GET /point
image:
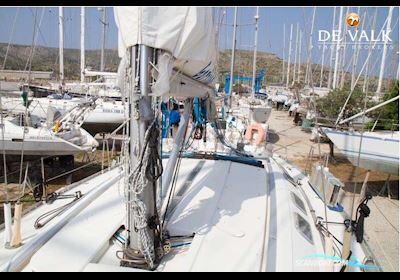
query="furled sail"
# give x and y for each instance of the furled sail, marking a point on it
(185, 34)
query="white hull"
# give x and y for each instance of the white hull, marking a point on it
(379, 150)
(43, 142)
(107, 115)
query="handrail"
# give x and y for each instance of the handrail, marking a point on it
(370, 109)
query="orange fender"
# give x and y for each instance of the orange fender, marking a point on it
(255, 127)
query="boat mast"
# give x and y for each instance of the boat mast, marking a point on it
(103, 38)
(335, 72)
(61, 42)
(82, 44)
(331, 53)
(343, 47)
(295, 52)
(253, 91)
(141, 204)
(232, 58)
(298, 63)
(356, 54)
(366, 76)
(309, 70)
(322, 65)
(283, 55)
(385, 44)
(290, 54)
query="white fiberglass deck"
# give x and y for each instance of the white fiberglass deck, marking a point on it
(27, 229)
(243, 218)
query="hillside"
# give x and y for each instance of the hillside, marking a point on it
(273, 68)
(46, 59)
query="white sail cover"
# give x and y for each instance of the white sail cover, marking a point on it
(187, 33)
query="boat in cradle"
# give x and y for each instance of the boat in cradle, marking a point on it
(41, 141)
(378, 151)
(60, 134)
(105, 117)
(183, 210)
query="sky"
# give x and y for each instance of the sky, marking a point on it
(270, 36)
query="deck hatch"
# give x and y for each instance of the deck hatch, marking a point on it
(299, 203)
(303, 227)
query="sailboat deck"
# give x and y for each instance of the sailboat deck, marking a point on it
(28, 231)
(236, 217)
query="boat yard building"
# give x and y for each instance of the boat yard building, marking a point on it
(16, 75)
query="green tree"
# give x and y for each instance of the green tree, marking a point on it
(331, 105)
(388, 115)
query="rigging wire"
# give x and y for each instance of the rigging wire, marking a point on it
(32, 54)
(55, 212)
(356, 81)
(25, 117)
(10, 39)
(40, 31)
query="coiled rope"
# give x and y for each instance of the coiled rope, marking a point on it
(148, 169)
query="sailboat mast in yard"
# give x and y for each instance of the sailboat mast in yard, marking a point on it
(290, 54)
(385, 46)
(232, 57)
(343, 47)
(298, 63)
(103, 38)
(310, 46)
(366, 75)
(82, 44)
(296, 53)
(331, 51)
(356, 54)
(335, 72)
(61, 42)
(322, 65)
(253, 91)
(283, 53)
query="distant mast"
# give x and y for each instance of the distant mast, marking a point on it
(343, 47)
(331, 52)
(290, 54)
(310, 46)
(103, 37)
(365, 83)
(321, 78)
(253, 91)
(82, 44)
(335, 72)
(61, 42)
(385, 44)
(232, 57)
(296, 50)
(283, 56)
(356, 55)
(298, 63)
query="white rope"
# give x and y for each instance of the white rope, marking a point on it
(137, 182)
